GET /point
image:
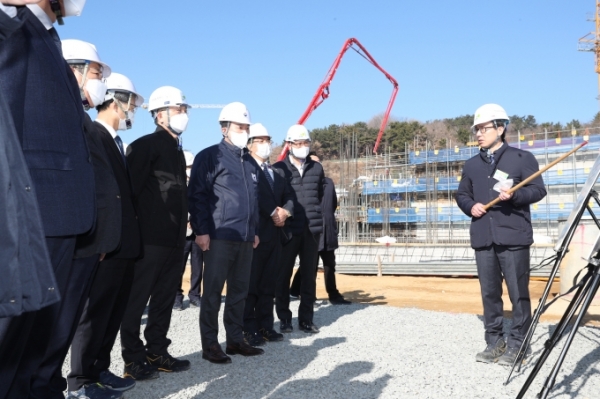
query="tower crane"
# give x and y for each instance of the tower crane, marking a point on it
(591, 42)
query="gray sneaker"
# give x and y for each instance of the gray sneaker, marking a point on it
(509, 357)
(492, 352)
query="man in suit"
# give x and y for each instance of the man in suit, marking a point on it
(275, 205)
(157, 168)
(111, 284)
(45, 104)
(327, 245)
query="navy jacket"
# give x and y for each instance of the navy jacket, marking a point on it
(269, 199)
(25, 267)
(157, 169)
(329, 238)
(508, 222)
(44, 101)
(308, 192)
(223, 197)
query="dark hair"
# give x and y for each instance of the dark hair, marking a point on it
(119, 95)
(224, 123)
(504, 124)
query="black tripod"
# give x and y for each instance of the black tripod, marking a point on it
(587, 288)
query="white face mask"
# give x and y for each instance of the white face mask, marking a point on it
(178, 123)
(263, 150)
(96, 90)
(300, 153)
(239, 139)
(73, 8)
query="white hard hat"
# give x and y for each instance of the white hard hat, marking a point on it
(166, 96)
(78, 51)
(258, 130)
(121, 83)
(488, 113)
(297, 132)
(189, 158)
(73, 8)
(235, 112)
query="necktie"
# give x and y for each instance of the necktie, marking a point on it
(56, 39)
(121, 149)
(265, 169)
(491, 159)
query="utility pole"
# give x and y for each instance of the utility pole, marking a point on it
(591, 42)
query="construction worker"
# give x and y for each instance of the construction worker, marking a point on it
(275, 205)
(327, 245)
(224, 217)
(45, 105)
(193, 251)
(501, 235)
(111, 284)
(306, 179)
(157, 169)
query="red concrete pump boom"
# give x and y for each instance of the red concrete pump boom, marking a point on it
(323, 90)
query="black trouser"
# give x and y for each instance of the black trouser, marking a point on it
(225, 261)
(258, 312)
(155, 278)
(328, 258)
(100, 321)
(43, 338)
(306, 246)
(512, 262)
(191, 249)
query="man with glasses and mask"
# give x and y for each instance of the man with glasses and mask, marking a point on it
(157, 168)
(306, 179)
(44, 101)
(501, 235)
(275, 205)
(224, 216)
(105, 303)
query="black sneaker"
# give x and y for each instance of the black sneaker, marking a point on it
(270, 335)
(111, 381)
(167, 363)
(339, 301)
(178, 304)
(285, 326)
(94, 391)
(308, 327)
(253, 338)
(140, 371)
(492, 352)
(509, 357)
(195, 302)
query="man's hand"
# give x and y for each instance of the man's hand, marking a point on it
(18, 2)
(203, 242)
(256, 242)
(478, 210)
(280, 216)
(504, 196)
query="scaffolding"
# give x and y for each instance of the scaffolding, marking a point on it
(410, 195)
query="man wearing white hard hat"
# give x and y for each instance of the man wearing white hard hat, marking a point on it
(306, 178)
(190, 250)
(224, 216)
(105, 303)
(157, 167)
(275, 204)
(501, 235)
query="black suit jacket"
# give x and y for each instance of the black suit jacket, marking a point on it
(44, 101)
(157, 168)
(130, 246)
(106, 235)
(268, 200)
(25, 268)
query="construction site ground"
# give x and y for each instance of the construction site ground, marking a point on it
(443, 294)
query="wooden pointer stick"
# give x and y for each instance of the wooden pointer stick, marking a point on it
(533, 176)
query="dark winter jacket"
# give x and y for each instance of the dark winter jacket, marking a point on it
(329, 238)
(223, 195)
(508, 222)
(308, 192)
(157, 170)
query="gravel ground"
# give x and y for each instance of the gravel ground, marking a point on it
(367, 351)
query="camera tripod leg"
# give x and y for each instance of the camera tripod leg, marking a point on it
(591, 290)
(558, 332)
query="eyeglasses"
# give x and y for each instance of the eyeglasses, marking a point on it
(483, 129)
(300, 144)
(261, 141)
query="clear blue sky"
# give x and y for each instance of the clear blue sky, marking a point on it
(449, 57)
